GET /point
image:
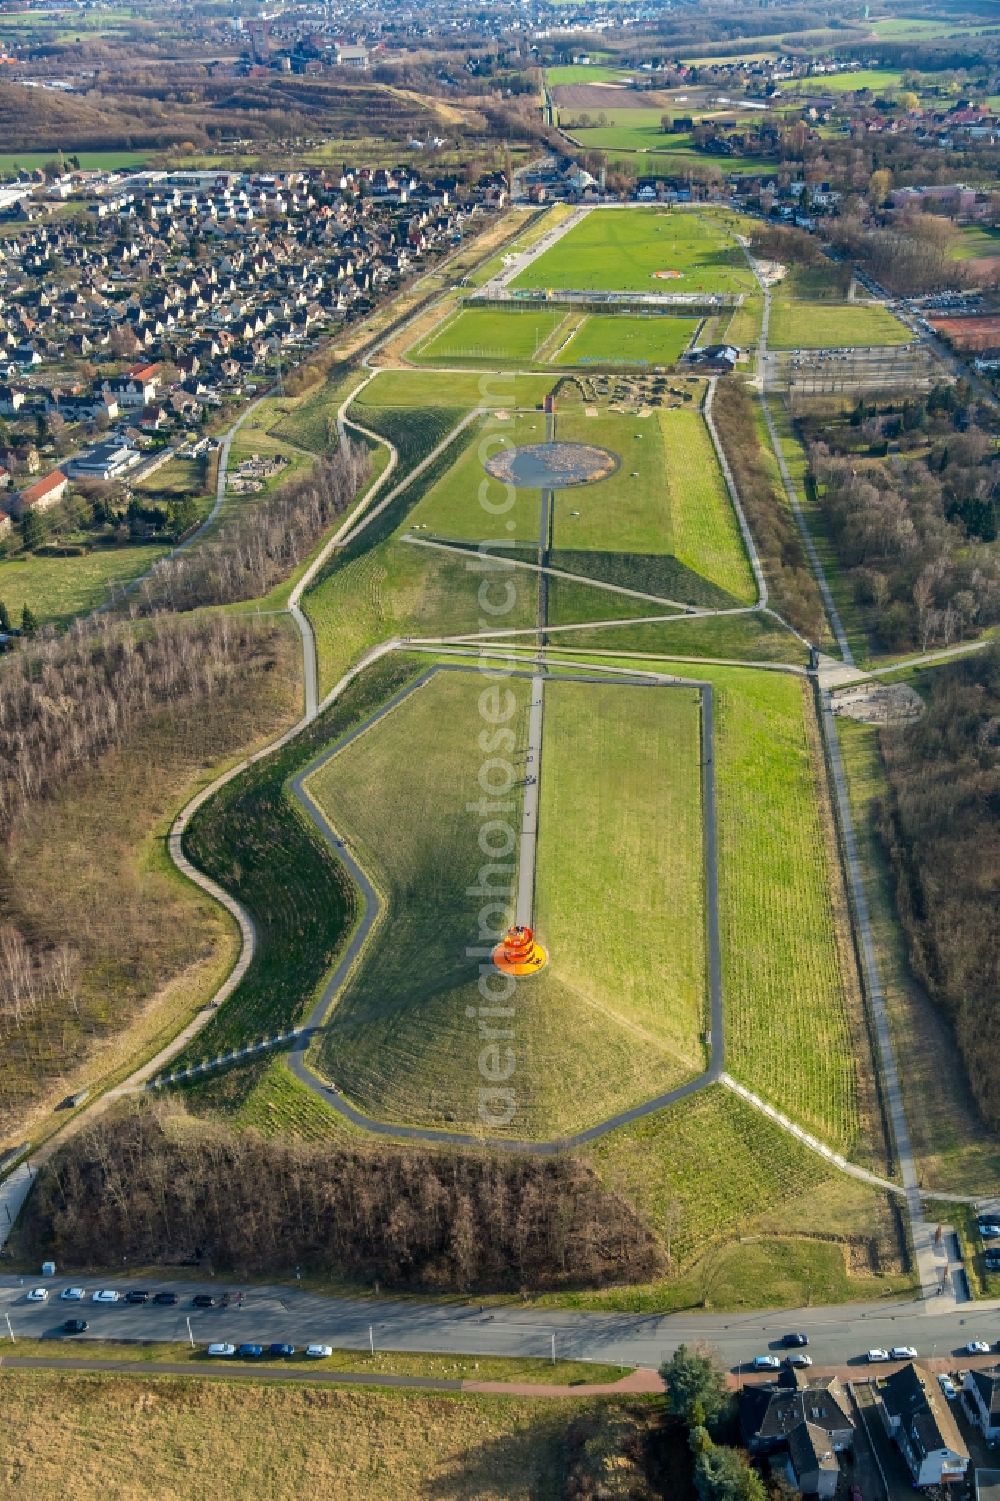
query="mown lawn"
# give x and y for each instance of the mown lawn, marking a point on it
(624, 248)
(423, 388)
(468, 503)
(829, 325)
(87, 1437)
(609, 339)
(489, 336)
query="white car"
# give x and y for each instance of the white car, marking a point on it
(875, 1356)
(38, 1295)
(319, 1352)
(798, 1359)
(72, 1295)
(903, 1352)
(105, 1295)
(948, 1387)
(221, 1350)
(766, 1363)
(974, 1347)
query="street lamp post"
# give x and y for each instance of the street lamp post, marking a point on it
(10, 1330)
(190, 1335)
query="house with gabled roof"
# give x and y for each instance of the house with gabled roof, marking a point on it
(981, 1400)
(917, 1416)
(802, 1422)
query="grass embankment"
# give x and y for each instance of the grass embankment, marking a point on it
(252, 840)
(399, 1041)
(794, 1026)
(749, 1217)
(623, 250)
(212, 1440)
(467, 504)
(87, 867)
(750, 637)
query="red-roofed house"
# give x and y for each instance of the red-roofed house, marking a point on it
(39, 496)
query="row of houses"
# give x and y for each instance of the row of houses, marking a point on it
(803, 1424)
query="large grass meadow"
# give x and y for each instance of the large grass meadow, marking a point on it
(399, 1040)
(623, 249)
(831, 325)
(620, 339)
(490, 336)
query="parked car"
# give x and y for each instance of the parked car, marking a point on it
(105, 1295)
(977, 1347)
(250, 1352)
(948, 1387)
(75, 1326)
(319, 1352)
(766, 1363)
(220, 1351)
(203, 1300)
(798, 1359)
(903, 1352)
(135, 1295)
(989, 1229)
(38, 1295)
(167, 1300)
(795, 1341)
(72, 1295)
(280, 1351)
(875, 1356)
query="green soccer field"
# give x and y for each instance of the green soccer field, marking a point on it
(490, 336)
(618, 339)
(624, 249)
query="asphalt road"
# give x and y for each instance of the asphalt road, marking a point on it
(839, 1336)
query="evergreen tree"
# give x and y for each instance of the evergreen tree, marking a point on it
(29, 625)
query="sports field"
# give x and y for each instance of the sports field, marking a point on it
(831, 325)
(624, 249)
(619, 339)
(400, 1041)
(403, 389)
(490, 335)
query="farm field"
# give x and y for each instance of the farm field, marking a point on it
(624, 249)
(224, 1440)
(584, 73)
(27, 161)
(877, 79)
(490, 336)
(830, 325)
(618, 339)
(399, 1042)
(57, 589)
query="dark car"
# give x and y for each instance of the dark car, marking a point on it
(75, 1326)
(135, 1296)
(203, 1300)
(250, 1352)
(795, 1341)
(281, 1349)
(167, 1299)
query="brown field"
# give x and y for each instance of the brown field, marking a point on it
(970, 333)
(606, 96)
(91, 1437)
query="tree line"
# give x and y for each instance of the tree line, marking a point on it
(793, 590)
(263, 542)
(146, 1187)
(941, 827)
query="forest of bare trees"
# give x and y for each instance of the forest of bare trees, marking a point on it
(64, 700)
(941, 825)
(150, 1188)
(911, 256)
(916, 531)
(263, 543)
